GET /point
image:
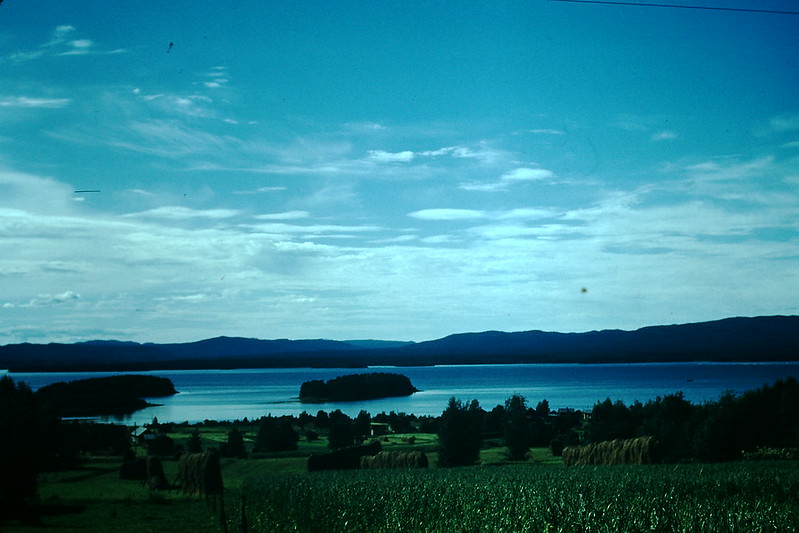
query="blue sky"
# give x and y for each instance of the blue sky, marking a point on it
(394, 170)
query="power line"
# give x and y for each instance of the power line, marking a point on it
(678, 6)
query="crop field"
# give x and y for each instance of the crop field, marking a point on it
(537, 495)
(745, 497)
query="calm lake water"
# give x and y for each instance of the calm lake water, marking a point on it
(252, 393)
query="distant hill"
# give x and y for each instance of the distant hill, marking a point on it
(119, 355)
(768, 338)
(774, 338)
(372, 343)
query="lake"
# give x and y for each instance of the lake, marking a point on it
(252, 393)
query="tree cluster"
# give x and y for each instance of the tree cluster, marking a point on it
(460, 434)
(276, 435)
(462, 429)
(26, 439)
(722, 430)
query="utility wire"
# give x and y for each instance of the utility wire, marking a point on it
(678, 6)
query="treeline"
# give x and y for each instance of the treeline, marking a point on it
(280, 434)
(462, 429)
(722, 430)
(355, 387)
(674, 429)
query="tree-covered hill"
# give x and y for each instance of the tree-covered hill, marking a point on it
(757, 339)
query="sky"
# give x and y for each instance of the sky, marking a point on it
(174, 171)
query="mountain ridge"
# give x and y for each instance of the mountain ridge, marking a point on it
(763, 338)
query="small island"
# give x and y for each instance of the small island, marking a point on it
(113, 395)
(354, 387)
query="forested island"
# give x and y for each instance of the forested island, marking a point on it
(354, 387)
(113, 395)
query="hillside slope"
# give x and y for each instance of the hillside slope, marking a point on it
(773, 338)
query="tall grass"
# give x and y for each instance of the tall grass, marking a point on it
(742, 497)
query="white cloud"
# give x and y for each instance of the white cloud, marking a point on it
(447, 214)
(517, 175)
(180, 105)
(527, 174)
(663, 136)
(32, 102)
(61, 31)
(62, 43)
(365, 127)
(509, 231)
(784, 123)
(439, 239)
(78, 47)
(731, 169)
(286, 215)
(528, 213)
(381, 156)
(190, 298)
(496, 186)
(28, 192)
(547, 131)
(280, 230)
(218, 78)
(260, 190)
(395, 240)
(174, 212)
(140, 192)
(46, 300)
(460, 152)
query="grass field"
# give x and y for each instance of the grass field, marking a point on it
(537, 495)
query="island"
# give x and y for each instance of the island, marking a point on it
(112, 395)
(354, 387)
